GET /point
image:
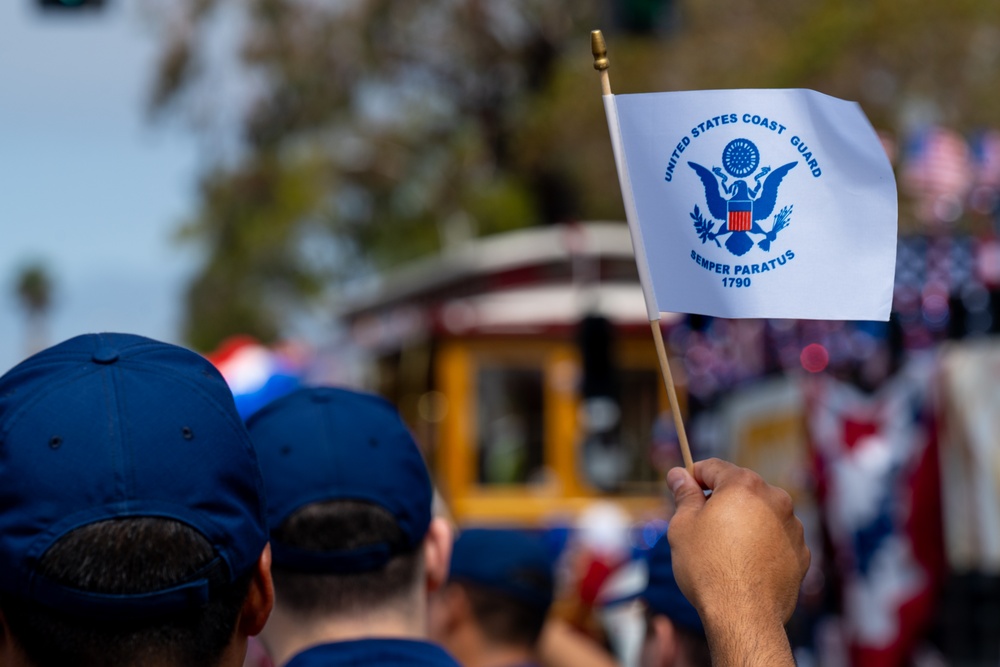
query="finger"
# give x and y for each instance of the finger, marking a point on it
(687, 492)
(713, 472)
(781, 502)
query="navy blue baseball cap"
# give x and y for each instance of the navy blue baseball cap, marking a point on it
(110, 426)
(508, 561)
(663, 595)
(320, 444)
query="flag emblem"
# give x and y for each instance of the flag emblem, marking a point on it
(746, 206)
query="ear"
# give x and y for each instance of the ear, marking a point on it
(457, 599)
(447, 605)
(665, 639)
(437, 553)
(260, 598)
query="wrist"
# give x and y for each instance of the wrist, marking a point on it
(745, 636)
(735, 607)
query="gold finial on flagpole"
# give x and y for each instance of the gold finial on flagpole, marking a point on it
(600, 50)
(601, 64)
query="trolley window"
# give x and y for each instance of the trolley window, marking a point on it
(510, 425)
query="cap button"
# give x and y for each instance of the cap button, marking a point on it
(105, 355)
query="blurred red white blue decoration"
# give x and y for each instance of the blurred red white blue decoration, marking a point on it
(938, 173)
(257, 374)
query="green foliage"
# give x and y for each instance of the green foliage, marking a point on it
(384, 129)
(252, 222)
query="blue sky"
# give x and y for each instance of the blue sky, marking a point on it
(87, 183)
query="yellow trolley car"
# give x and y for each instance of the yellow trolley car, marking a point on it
(480, 349)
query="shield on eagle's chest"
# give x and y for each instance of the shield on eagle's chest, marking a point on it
(739, 215)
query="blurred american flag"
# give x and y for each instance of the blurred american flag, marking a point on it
(939, 173)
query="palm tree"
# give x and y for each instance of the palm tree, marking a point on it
(34, 292)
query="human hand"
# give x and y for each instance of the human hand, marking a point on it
(739, 555)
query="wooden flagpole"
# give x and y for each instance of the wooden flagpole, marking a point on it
(600, 51)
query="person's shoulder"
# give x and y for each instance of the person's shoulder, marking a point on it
(375, 652)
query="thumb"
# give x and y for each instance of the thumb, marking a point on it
(687, 492)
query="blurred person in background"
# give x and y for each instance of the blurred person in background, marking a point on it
(494, 606)
(134, 530)
(596, 552)
(675, 636)
(356, 550)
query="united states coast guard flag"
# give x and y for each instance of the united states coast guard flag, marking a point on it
(756, 203)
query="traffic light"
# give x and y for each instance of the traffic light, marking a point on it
(605, 462)
(643, 17)
(67, 5)
(596, 339)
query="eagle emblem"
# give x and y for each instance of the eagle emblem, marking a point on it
(738, 206)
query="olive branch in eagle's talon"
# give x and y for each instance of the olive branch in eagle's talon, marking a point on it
(704, 227)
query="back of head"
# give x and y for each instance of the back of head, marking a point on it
(507, 577)
(343, 526)
(140, 519)
(349, 501)
(121, 557)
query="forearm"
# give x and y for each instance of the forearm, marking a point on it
(748, 641)
(739, 557)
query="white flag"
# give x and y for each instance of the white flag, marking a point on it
(756, 203)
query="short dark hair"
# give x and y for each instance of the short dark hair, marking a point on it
(338, 525)
(503, 618)
(121, 556)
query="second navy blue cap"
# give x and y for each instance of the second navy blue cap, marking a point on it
(112, 426)
(662, 593)
(508, 561)
(324, 443)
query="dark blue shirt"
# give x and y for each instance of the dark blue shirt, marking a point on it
(375, 652)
